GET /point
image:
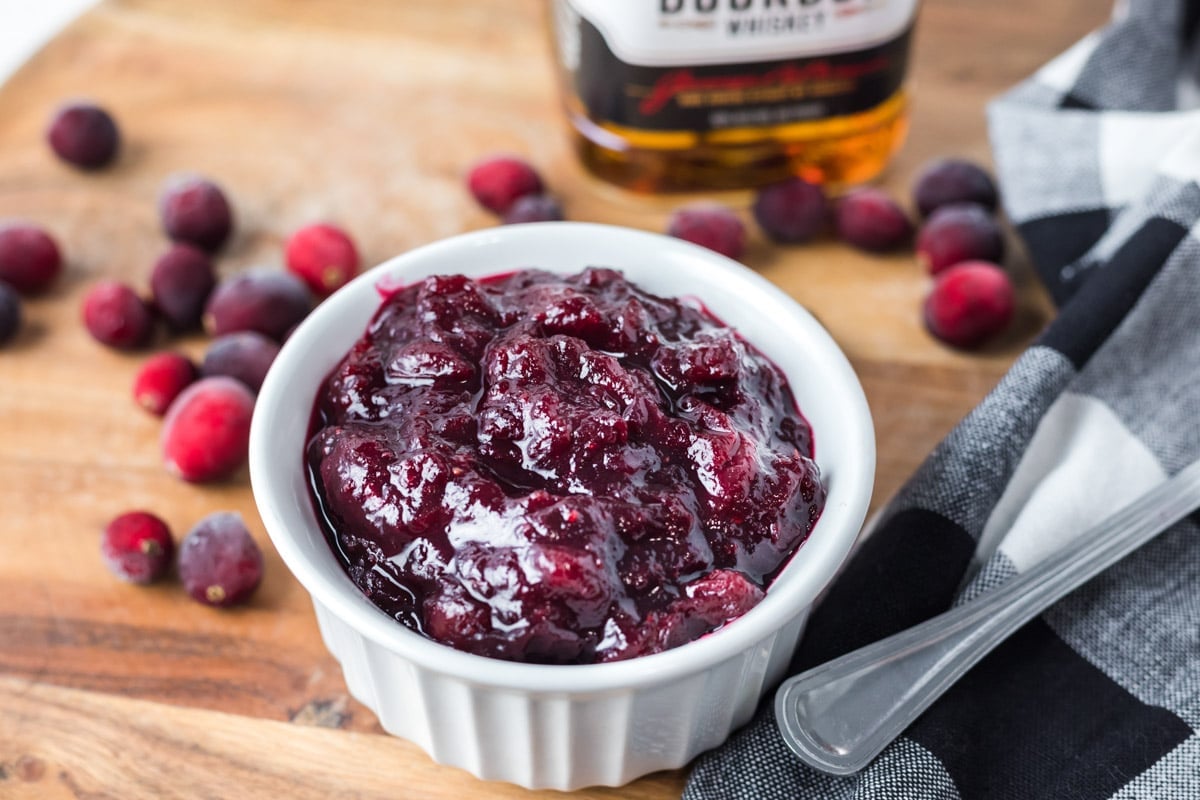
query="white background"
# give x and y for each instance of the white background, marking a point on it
(25, 25)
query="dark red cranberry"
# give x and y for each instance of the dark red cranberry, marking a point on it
(161, 379)
(957, 233)
(116, 316)
(137, 547)
(498, 181)
(245, 356)
(194, 210)
(323, 256)
(84, 135)
(219, 562)
(710, 225)
(10, 312)
(29, 258)
(206, 433)
(180, 283)
(953, 180)
(969, 304)
(871, 220)
(792, 211)
(533, 208)
(268, 301)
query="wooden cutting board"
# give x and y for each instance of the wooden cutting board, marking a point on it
(366, 113)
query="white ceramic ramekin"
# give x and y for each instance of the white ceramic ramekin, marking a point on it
(566, 727)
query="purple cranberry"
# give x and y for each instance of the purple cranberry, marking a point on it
(498, 181)
(533, 208)
(10, 312)
(161, 378)
(871, 220)
(219, 562)
(951, 180)
(957, 233)
(710, 225)
(194, 210)
(116, 316)
(792, 211)
(137, 547)
(84, 135)
(29, 258)
(245, 356)
(180, 283)
(268, 301)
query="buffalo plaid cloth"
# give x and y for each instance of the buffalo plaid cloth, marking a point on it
(1098, 157)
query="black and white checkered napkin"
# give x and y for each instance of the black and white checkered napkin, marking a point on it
(1099, 164)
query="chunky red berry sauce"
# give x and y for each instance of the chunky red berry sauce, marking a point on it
(559, 469)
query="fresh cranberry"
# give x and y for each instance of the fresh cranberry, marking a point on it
(161, 379)
(245, 356)
(29, 258)
(559, 469)
(206, 434)
(870, 219)
(948, 181)
(84, 135)
(194, 210)
(219, 562)
(180, 283)
(497, 182)
(533, 208)
(116, 316)
(792, 211)
(710, 225)
(323, 256)
(267, 301)
(957, 233)
(10, 312)
(137, 547)
(969, 304)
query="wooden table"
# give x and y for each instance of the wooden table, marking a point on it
(366, 113)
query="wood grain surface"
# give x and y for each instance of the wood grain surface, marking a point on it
(365, 113)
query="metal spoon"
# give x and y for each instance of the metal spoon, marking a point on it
(838, 716)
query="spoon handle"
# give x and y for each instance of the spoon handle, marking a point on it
(838, 716)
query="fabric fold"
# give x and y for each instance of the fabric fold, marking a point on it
(1099, 166)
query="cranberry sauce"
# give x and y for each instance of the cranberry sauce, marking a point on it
(559, 469)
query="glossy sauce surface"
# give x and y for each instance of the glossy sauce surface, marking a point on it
(559, 469)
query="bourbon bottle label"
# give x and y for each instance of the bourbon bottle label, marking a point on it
(701, 65)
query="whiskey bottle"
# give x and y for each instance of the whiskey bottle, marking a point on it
(694, 95)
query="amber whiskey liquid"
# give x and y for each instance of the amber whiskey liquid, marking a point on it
(697, 95)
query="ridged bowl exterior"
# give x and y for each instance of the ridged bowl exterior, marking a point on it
(556, 740)
(565, 726)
